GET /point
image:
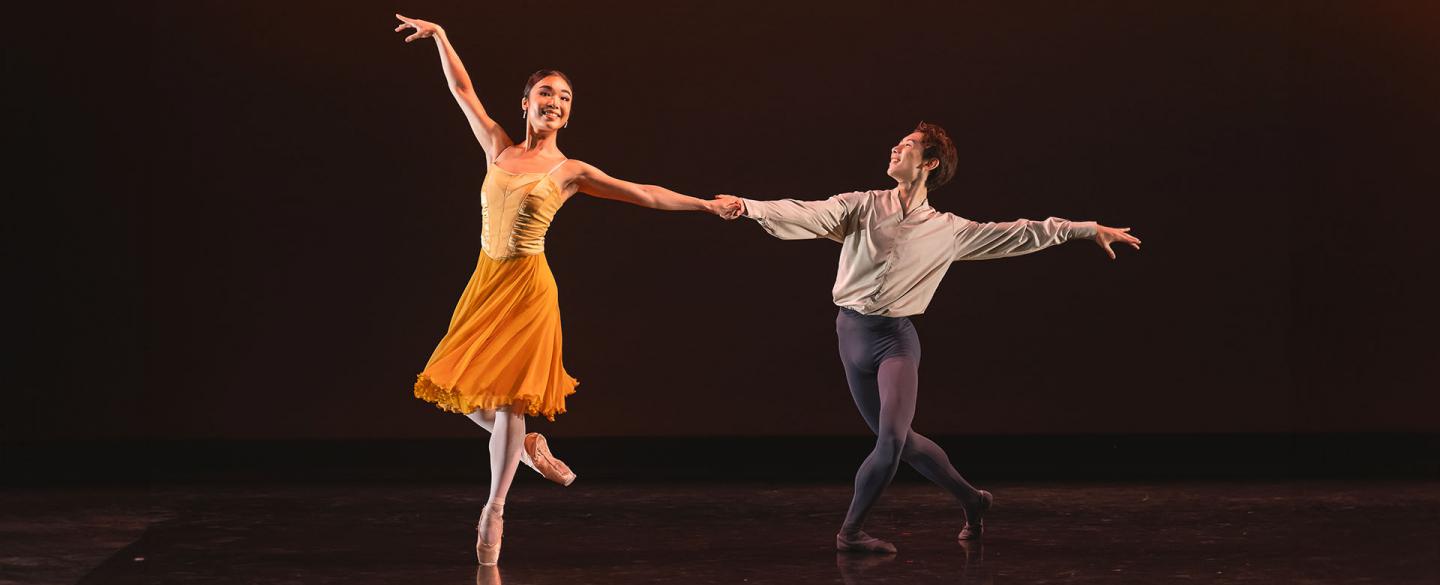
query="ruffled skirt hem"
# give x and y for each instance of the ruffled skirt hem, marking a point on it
(451, 400)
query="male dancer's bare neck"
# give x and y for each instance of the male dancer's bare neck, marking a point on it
(912, 194)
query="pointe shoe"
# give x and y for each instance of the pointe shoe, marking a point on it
(553, 469)
(863, 543)
(489, 553)
(975, 524)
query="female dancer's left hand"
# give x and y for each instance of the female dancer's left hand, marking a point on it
(1104, 236)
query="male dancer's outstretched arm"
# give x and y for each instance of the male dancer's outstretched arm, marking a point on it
(986, 241)
(792, 219)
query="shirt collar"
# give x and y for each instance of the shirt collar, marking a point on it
(894, 195)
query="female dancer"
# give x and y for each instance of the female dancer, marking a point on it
(500, 360)
(895, 249)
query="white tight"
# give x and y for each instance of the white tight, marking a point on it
(507, 441)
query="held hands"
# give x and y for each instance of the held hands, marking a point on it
(423, 29)
(1104, 236)
(726, 206)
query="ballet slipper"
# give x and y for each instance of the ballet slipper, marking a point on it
(862, 543)
(975, 518)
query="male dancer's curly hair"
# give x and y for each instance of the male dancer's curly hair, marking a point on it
(937, 146)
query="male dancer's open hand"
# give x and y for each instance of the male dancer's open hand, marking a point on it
(1104, 236)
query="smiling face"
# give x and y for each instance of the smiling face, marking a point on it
(907, 159)
(547, 106)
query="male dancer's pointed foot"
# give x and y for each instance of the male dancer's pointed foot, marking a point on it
(860, 542)
(492, 524)
(975, 517)
(553, 469)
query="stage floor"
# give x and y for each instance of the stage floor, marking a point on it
(694, 533)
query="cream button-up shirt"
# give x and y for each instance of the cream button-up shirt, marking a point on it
(892, 262)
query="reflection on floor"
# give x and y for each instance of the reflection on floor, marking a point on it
(693, 533)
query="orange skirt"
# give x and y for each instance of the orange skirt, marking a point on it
(503, 345)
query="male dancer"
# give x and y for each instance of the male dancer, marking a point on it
(895, 249)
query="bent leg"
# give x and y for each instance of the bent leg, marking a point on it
(932, 462)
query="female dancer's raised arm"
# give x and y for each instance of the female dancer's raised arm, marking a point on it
(491, 136)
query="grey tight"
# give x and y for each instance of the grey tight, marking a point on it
(881, 356)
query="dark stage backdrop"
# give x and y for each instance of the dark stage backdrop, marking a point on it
(252, 220)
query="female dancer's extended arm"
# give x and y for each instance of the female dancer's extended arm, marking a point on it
(491, 136)
(589, 179)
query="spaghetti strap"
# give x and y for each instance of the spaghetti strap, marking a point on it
(552, 169)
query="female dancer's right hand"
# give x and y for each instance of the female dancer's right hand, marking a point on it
(423, 29)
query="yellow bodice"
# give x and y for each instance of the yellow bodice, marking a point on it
(516, 211)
